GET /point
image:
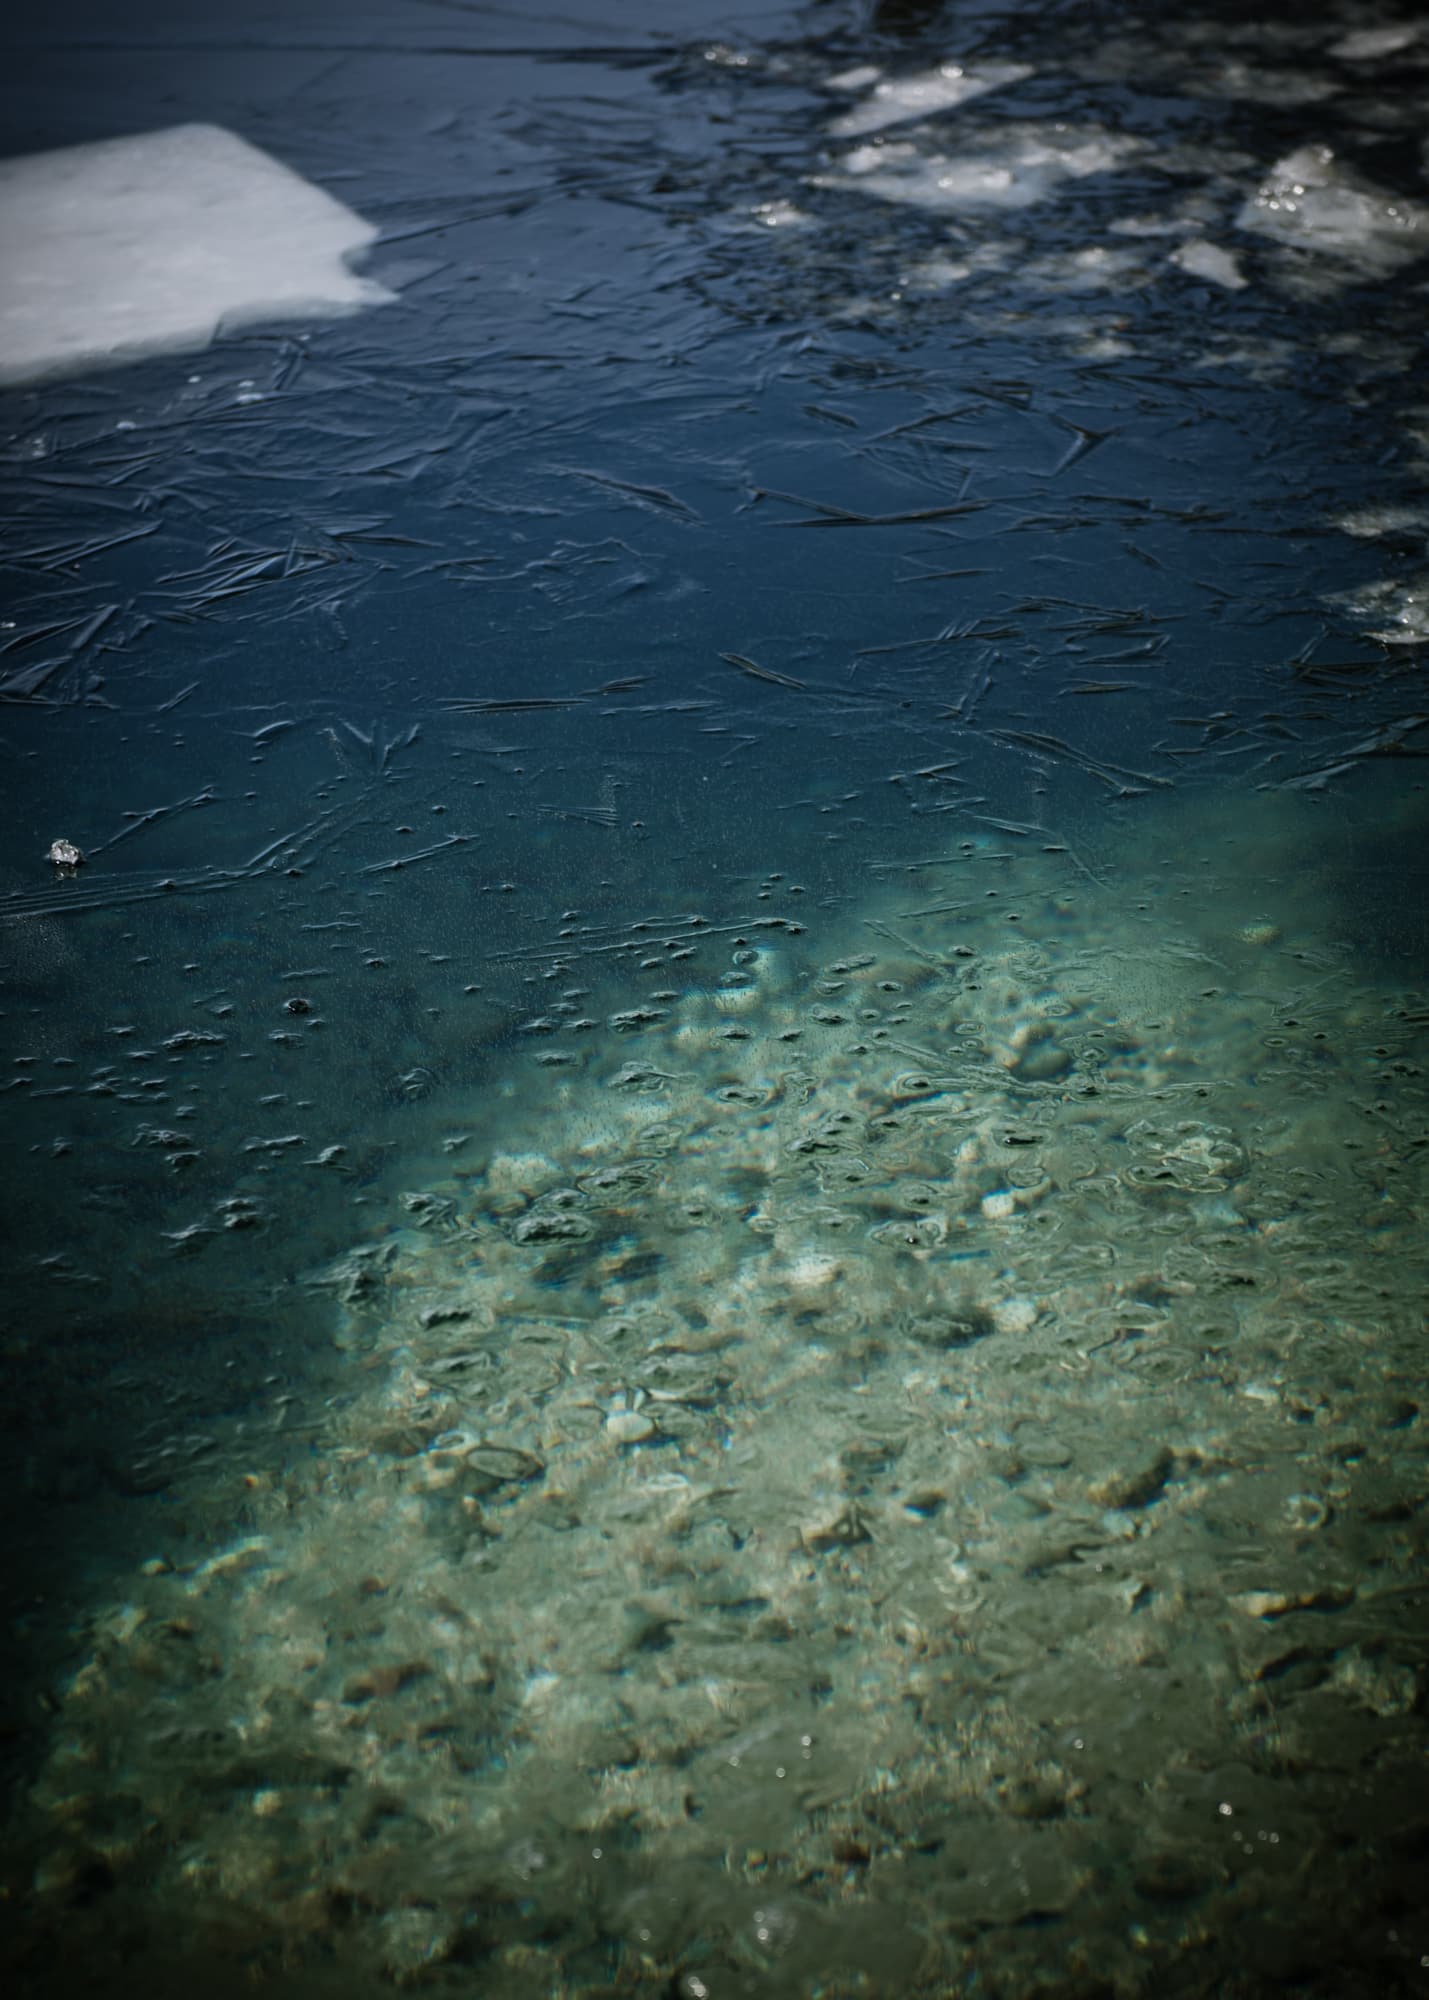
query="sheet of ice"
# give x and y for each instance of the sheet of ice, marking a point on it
(153, 243)
(1310, 201)
(895, 98)
(1018, 166)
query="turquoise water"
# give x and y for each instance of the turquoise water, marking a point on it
(716, 1177)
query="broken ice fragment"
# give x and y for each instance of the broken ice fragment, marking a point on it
(155, 243)
(1200, 259)
(1311, 201)
(941, 89)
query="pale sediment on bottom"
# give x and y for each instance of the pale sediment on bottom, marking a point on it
(871, 1453)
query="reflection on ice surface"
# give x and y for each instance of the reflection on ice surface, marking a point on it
(153, 243)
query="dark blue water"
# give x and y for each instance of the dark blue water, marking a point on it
(702, 544)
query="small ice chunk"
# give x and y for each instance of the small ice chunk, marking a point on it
(1092, 342)
(1312, 202)
(854, 79)
(1368, 522)
(1020, 165)
(937, 274)
(1200, 259)
(1147, 225)
(153, 244)
(779, 215)
(1092, 268)
(942, 89)
(1402, 601)
(1368, 43)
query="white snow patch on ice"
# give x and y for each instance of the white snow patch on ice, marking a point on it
(896, 98)
(1367, 523)
(1310, 201)
(1401, 603)
(854, 79)
(1017, 167)
(779, 215)
(1094, 267)
(1370, 43)
(1200, 259)
(1147, 225)
(154, 243)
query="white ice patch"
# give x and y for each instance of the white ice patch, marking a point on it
(895, 98)
(931, 275)
(1371, 43)
(1095, 267)
(1147, 225)
(152, 244)
(780, 215)
(854, 79)
(1367, 523)
(1258, 83)
(1093, 342)
(1016, 167)
(1402, 606)
(1313, 203)
(1200, 259)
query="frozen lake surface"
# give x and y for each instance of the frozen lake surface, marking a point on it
(716, 1175)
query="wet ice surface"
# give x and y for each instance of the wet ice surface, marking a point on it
(716, 1177)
